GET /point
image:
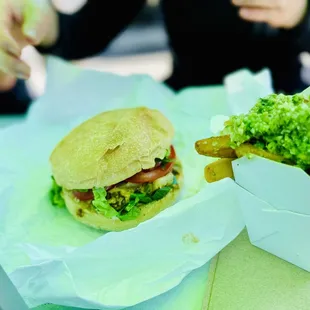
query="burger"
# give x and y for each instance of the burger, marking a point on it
(117, 169)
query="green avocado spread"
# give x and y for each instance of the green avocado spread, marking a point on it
(279, 124)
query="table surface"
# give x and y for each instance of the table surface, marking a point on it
(244, 277)
(10, 120)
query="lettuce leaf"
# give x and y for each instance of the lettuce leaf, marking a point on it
(131, 215)
(101, 204)
(132, 203)
(142, 197)
(165, 160)
(161, 193)
(131, 211)
(55, 195)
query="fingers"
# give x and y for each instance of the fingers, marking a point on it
(268, 4)
(12, 41)
(16, 9)
(273, 17)
(8, 43)
(13, 66)
(34, 23)
(18, 36)
(259, 15)
(7, 82)
(5, 18)
(9, 46)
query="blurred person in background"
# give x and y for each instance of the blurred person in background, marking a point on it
(208, 39)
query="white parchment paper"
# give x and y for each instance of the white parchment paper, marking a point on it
(52, 258)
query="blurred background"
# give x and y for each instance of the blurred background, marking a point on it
(141, 48)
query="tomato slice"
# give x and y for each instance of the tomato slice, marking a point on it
(84, 196)
(172, 153)
(145, 176)
(150, 175)
(89, 195)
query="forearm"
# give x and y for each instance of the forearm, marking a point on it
(91, 29)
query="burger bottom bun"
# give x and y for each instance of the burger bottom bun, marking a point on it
(82, 213)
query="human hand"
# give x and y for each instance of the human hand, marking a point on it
(22, 22)
(277, 13)
(8, 79)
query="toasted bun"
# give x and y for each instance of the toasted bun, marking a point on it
(111, 147)
(90, 218)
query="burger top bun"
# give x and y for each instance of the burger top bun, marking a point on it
(111, 147)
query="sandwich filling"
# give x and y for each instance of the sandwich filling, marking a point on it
(125, 199)
(279, 124)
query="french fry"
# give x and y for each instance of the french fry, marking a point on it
(219, 170)
(215, 147)
(220, 147)
(247, 149)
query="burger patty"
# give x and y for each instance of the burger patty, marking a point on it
(119, 196)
